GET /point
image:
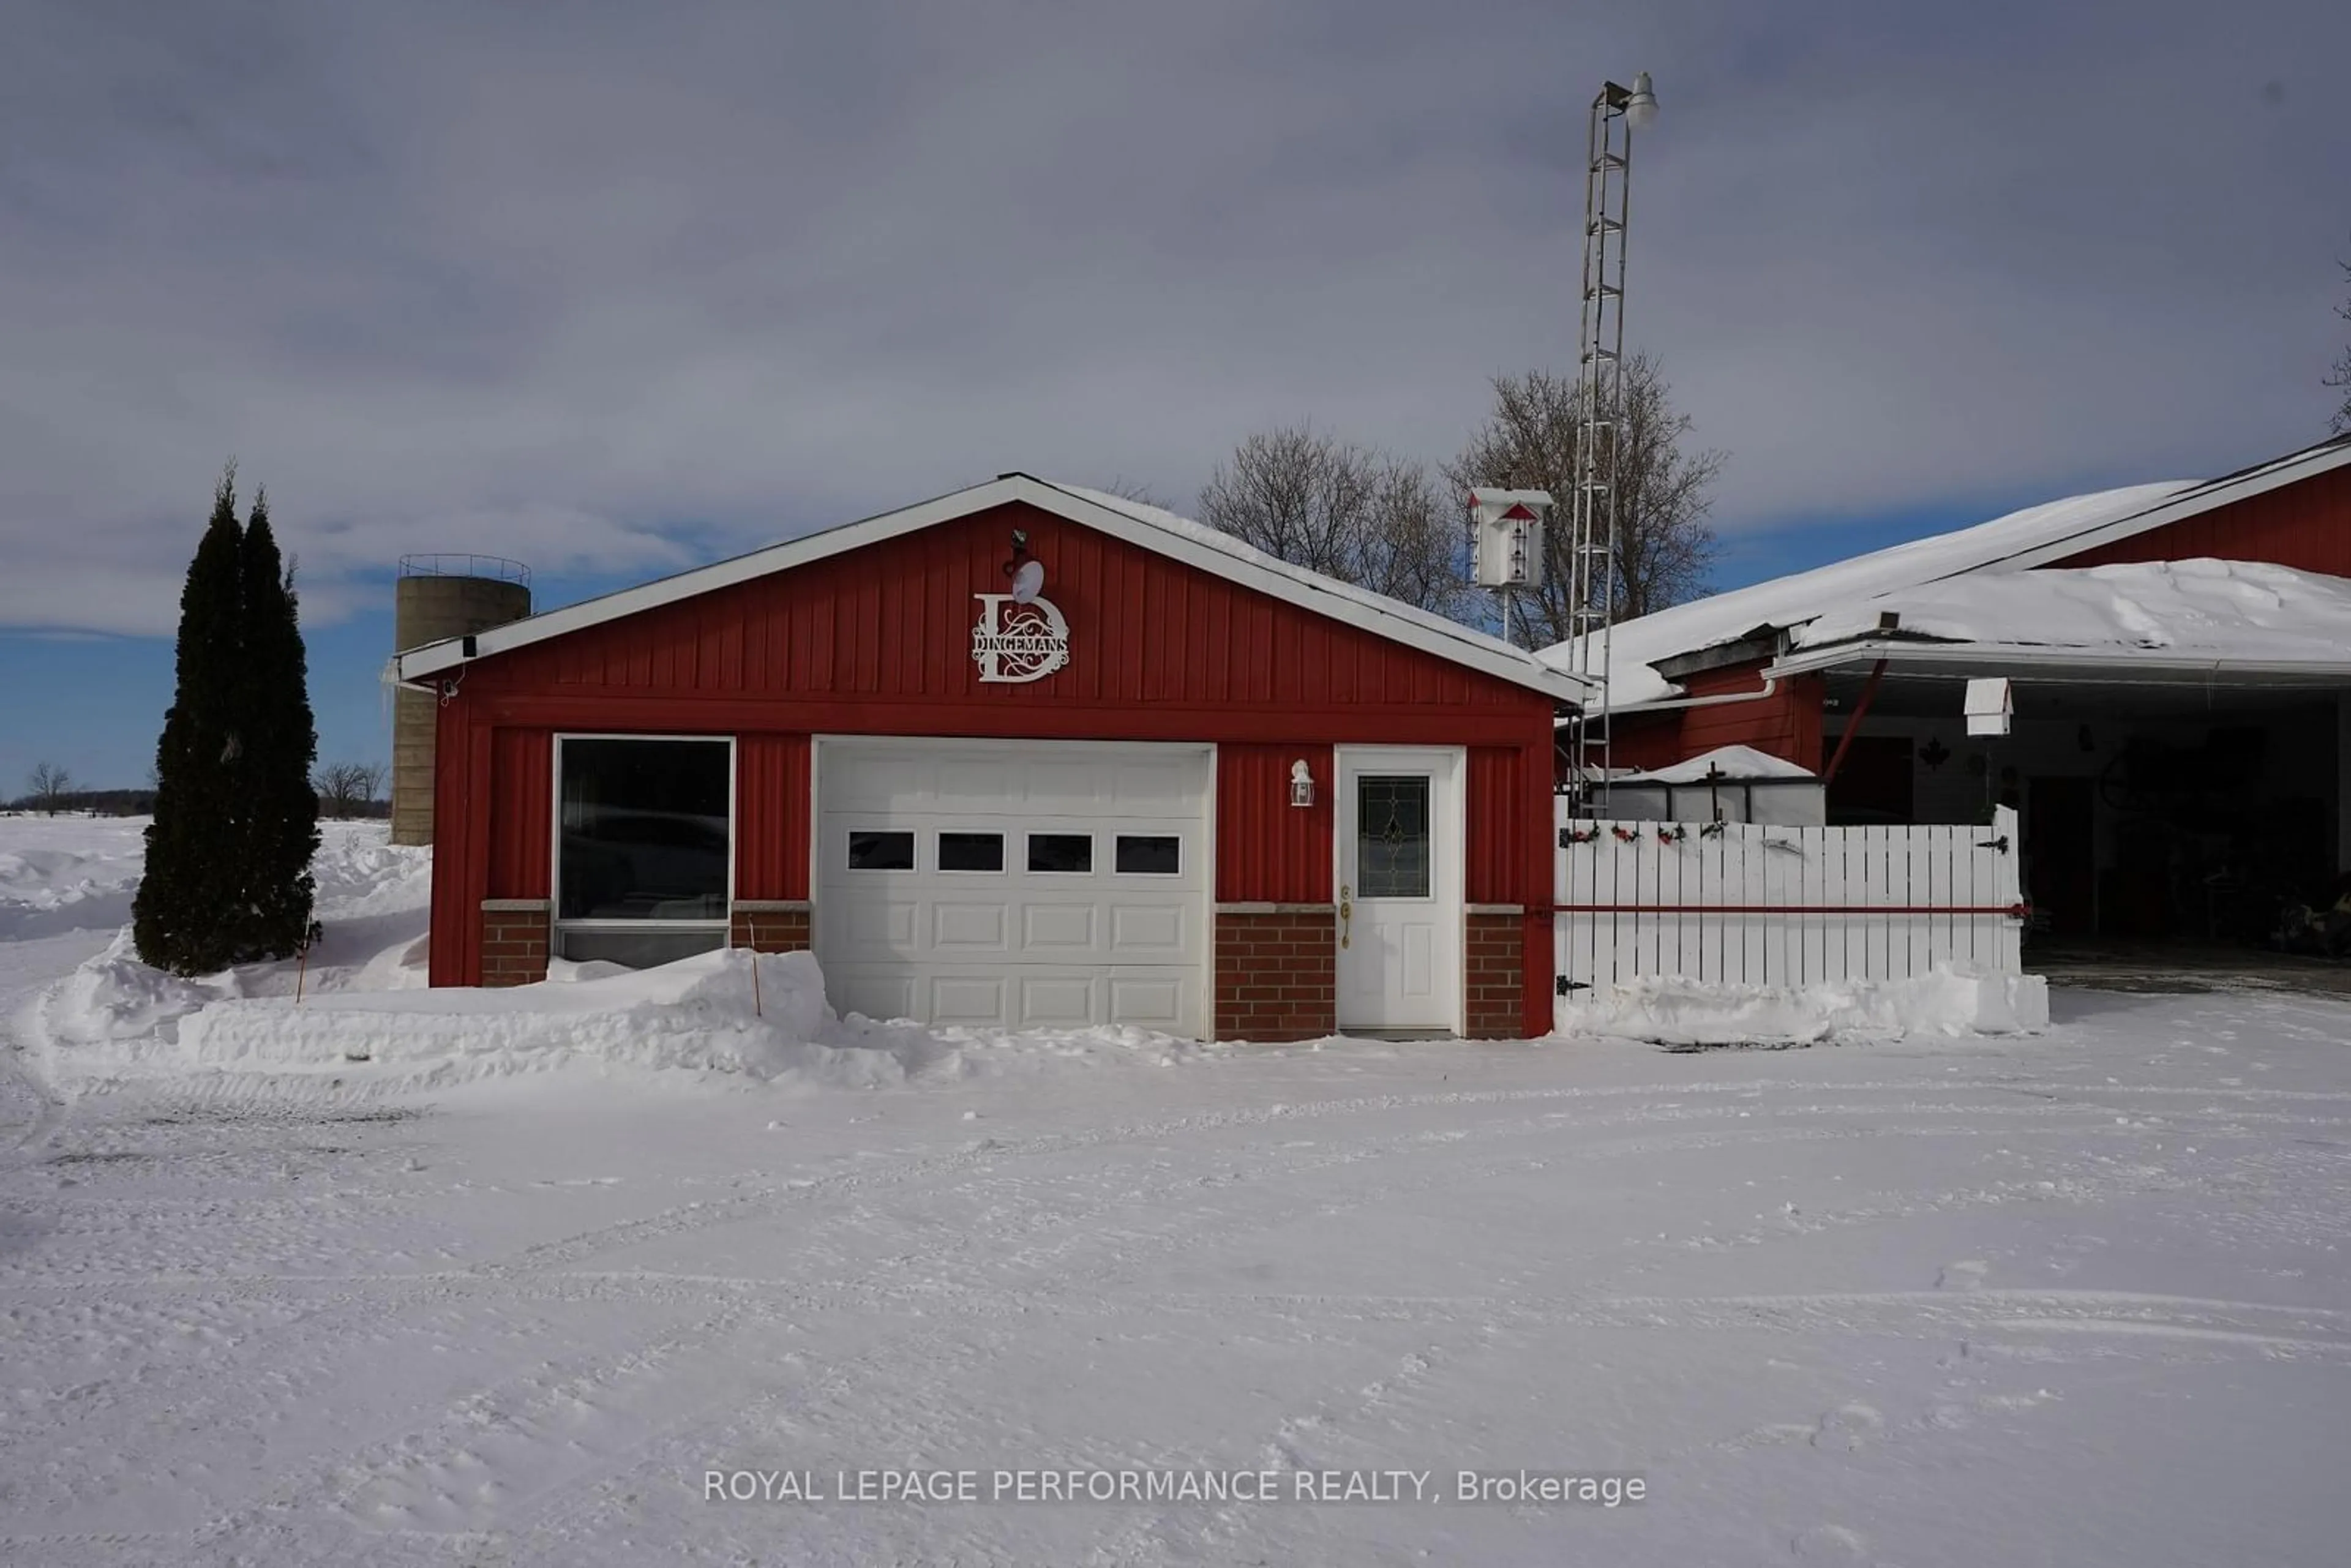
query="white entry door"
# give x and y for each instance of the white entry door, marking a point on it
(1050, 884)
(1400, 886)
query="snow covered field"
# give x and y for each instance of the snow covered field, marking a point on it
(2083, 1298)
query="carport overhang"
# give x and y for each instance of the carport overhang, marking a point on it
(2039, 664)
(2096, 686)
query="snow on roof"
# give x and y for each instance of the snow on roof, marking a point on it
(2223, 609)
(1724, 762)
(2020, 541)
(1790, 600)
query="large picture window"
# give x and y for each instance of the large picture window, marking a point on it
(643, 844)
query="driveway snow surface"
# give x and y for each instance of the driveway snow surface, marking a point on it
(512, 1294)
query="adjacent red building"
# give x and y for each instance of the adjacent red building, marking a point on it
(1023, 755)
(2178, 659)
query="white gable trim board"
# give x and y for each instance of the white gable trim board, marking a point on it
(1195, 546)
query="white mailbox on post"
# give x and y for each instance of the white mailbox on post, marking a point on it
(1991, 707)
(1506, 537)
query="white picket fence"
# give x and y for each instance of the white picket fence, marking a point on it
(1748, 904)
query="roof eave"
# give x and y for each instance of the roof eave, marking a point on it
(2023, 660)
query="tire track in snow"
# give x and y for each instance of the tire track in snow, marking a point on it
(525, 1402)
(368, 1296)
(974, 1306)
(967, 1310)
(508, 1281)
(707, 1214)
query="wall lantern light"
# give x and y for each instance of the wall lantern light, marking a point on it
(1302, 784)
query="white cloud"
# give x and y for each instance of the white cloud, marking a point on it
(459, 277)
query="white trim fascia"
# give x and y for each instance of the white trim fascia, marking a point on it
(1208, 928)
(2153, 666)
(1295, 585)
(2291, 469)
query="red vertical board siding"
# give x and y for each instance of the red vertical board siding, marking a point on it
(771, 816)
(1540, 867)
(453, 947)
(521, 801)
(1786, 724)
(2306, 525)
(1512, 852)
(1495, 872)
(892, 621)
(1268, 851)
(1647, 740)
(461, 858)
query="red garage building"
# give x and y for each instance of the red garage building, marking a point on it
(1021, 756)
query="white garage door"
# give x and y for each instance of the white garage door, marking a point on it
(1051, 885)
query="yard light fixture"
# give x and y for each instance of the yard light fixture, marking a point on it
(1026, 572)
(1302, 783)
(1641, 104)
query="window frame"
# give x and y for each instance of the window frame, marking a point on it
(557, 924)
(1029, 836)
(939, 837)
(1427, 834)
(913, 853)
(1118, 837)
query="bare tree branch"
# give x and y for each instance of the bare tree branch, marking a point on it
(1357, 515)
(348, 788)
(1134, 490)
(50, 785)
(2341, 375)
(1664, 545)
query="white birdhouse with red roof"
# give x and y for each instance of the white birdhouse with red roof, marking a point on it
(1506, 537)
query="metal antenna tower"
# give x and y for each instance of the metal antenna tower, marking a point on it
(1592, 540)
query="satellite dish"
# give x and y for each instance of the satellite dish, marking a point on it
(1028, 581)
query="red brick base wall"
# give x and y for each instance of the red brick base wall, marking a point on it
(1277, 972)
(769, 927)
(1493, 953)
(514, 941)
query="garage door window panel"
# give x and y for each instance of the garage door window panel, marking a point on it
(1061, 854)
(644, 847)
(881, 850)
(970, 851)
(1150, 854)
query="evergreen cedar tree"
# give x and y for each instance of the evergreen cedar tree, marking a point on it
(227, 878)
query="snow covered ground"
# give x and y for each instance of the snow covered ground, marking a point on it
(2079, 1298)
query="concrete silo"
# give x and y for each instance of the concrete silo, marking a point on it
(439, 596)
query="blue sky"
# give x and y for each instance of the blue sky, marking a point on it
(667, 283)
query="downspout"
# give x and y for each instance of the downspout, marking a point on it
(1853, 724)
(1664, 705)
(1669, 704)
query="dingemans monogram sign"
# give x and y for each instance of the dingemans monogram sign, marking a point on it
(1014, 642)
